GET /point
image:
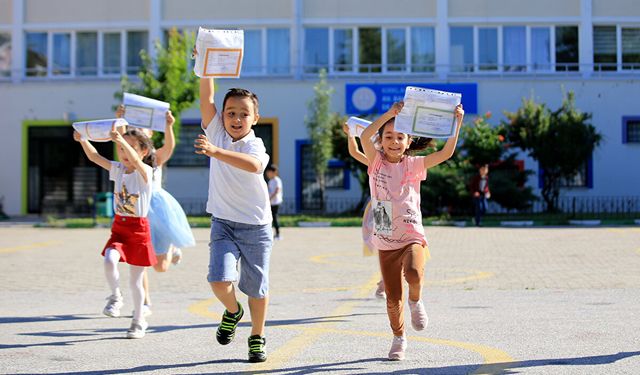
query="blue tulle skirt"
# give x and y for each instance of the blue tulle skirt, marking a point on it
(169, 225)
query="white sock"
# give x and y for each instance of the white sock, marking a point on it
(137, 290)
(111, 259)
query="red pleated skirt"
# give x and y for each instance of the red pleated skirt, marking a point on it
(131, 237)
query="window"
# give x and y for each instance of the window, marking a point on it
(461, 49)
(423, 55)
(605, 51)
(87, 54)
(488, 48)
(337, 175)
(370, 49)
(111, 53)
(515, 48)
(316, 49)
(278, 51)
(396, 50)
(630, 48)
(540, 48)
(61, 54)
(582, 178)
(252, 60)
(631, 129)
(5, 55)
(183, 155)
(36, 58)
(566, 48)
(343, 50)
(136, 42)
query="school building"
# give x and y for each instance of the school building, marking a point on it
(61, 61)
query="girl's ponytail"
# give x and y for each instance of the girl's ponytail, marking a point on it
(420, 144)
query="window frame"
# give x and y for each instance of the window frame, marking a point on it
(625, 129)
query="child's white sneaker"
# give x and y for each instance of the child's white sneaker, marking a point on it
(137, 329)
(176, 255)
(114, 304)
(398, 347)
(419, 318)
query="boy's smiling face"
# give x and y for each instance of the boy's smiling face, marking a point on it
(239, 115)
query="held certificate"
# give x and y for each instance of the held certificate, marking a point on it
(220, 53)
(428, 113)
(143, 112)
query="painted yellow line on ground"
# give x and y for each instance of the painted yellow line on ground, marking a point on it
(202, 308)
(295, 346)
(477, 275)
(638, 251)
(35, 245)
(324, 259)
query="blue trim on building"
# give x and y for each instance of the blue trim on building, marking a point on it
(299, 144)
(588, 177)
(625, 127)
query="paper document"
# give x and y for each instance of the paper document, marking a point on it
(219, 53)
(357, 125)
(98, 130)
(428, 113)
(143, 112)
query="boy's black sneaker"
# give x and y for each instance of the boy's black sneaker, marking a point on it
(256, 348)
(227, 328)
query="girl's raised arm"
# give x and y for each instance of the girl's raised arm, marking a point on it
(163, 154)
(91, 152)
(129, 152)
(446, 153)
(353, 147)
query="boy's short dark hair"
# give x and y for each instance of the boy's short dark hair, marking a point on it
(241, 93)
(272, 168)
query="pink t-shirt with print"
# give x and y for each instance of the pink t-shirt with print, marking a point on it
(395, 201)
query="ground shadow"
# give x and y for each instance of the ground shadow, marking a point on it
(45, 318)
(494, 368)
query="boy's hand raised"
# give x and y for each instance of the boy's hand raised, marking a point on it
(203, 146)
(76, 136)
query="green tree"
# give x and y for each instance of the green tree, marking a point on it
(562, 141)
(168, 77)
(319, 123)
(485, 144)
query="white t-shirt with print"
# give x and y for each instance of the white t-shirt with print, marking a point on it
(235, 194)
(131, 194)
(273, 184)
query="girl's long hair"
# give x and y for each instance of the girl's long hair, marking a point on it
(417, 143)
(145, 144)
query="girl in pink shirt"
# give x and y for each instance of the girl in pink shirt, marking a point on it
(394, 179)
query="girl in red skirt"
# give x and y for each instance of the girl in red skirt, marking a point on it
(130, 239)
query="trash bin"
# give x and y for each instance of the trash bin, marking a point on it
(104, 204)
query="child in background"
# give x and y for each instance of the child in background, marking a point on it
(170, 229)
(479, 187)
(240, 211)
(394, 179)
(275, 196)
(130, 239)
(368, 248)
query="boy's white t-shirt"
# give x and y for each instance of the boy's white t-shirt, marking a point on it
(235, 194)
(131, 194)
(273, 184)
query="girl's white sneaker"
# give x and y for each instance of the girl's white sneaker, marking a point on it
(398, 347)
(138, 329)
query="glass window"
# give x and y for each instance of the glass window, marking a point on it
(61, 54)
(334, 177)
(5, 55)
(183, 155)
(36, 54)
(87, 54)
(252, 61)
(423, 55)
(488, 48)
(343, 50)
(316, 49)
(514, 45)
(461, 49)
(605, 51)
(370, 49)
(630, 48)
(396, 50)
(631, 130)
(136, 42)
(567, 48)
(541, 48)
(111, 53)
(278, 51)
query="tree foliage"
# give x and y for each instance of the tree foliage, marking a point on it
(319, 124)
(562, 141)
(168, 77)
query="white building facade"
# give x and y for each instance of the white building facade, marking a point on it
(62, 60)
